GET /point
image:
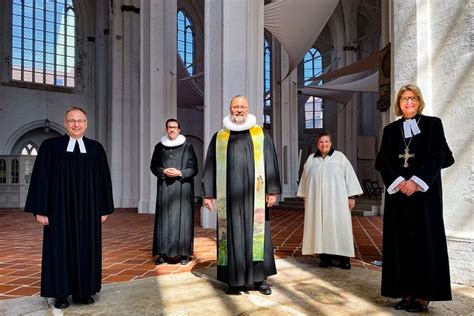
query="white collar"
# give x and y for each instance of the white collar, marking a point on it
(72, 143)
(410, 128)
(249, 123)
(173, 143)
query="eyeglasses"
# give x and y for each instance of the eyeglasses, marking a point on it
(172, 127)
(80, 122)
(405, 99)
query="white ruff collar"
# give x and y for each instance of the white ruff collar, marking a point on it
(249, 123)
(173, 143)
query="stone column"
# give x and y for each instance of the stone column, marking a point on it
(124, 125)
(158, 87)
(430, 38)
(285, 121)
(386, 37)
(101, 74)
(233, 59)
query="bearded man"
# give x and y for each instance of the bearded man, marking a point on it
(241, 175)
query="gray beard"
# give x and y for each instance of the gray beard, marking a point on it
(239, 120)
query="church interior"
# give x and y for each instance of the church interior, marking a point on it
(306, 66)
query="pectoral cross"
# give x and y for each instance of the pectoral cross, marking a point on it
(406, 156)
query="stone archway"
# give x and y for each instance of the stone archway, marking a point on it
(35, 136)
(19, 137)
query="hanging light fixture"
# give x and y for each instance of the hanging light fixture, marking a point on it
(46, 123)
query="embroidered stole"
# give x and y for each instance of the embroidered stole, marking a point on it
(223, 135)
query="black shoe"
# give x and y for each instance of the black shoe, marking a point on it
(160, 260)
(61, 303)
(265, 288)
(184, 260)
(345, 265)
(86, 300)
(233, 290)
(324, 264)
(417, 307)
(403, 304)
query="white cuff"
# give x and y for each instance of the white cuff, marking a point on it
(393, 187)
(423, 186)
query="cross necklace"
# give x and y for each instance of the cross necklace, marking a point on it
(406, 155)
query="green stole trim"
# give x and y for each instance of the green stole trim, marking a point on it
(223, 135)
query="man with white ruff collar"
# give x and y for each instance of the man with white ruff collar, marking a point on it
(241, 175)
(174, 163)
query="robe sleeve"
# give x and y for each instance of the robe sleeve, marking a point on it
(302, 188)
(156, 165)
(209, 175)
(382, 162)
(106, 194)
(352, 182)
(272, 172)
(191, 164)
(37, 201)
(439, 156)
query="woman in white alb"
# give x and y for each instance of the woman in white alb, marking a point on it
(328, 185)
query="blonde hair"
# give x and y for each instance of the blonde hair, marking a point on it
(409, 87)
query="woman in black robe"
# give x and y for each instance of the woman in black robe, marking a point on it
(412, 154)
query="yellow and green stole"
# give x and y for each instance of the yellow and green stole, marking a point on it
(223, 135)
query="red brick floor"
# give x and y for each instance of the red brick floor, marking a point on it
(127, 240)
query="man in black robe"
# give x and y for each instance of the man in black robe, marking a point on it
(174, 163)
(70, 194)
(412, 154)
(240, 269)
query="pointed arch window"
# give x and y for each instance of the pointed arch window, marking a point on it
(186, 41)
(3, 171)
(267, 85)
(15, 172)
(313, 108)
(29, 150)
(43, 42)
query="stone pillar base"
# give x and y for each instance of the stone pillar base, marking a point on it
(208, 218)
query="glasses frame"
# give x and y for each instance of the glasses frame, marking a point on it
(413, 99)
(72, 121)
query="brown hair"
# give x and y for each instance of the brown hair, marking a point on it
(322, 134)
(172, 120)
(409, 87)
(75, 108)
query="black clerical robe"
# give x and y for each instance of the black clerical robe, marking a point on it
(241, 270)
(415, 257)
(174, 216)
(73, 190)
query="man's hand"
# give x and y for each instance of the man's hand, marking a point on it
(408, 187)
(103, 218)
(352, 203)
(271, 199)
(172, 172)
(43, 220)
(209, 203)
